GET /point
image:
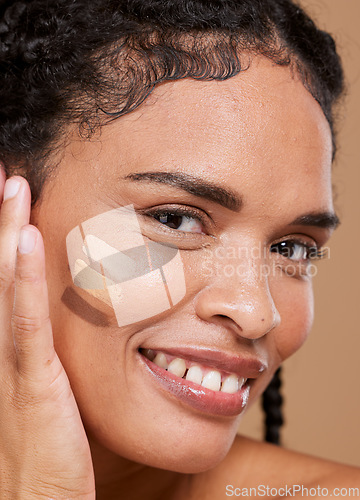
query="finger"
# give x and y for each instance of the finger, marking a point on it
(30, 320)
(14, 213)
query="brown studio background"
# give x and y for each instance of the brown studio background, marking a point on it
(322, 381)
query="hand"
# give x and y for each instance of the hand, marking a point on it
(44, 452)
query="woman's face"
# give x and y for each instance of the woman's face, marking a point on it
(240, 286)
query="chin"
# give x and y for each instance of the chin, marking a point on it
(187, 444)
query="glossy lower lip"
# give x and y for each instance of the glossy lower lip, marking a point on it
(197, 397)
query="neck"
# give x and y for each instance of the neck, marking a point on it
(117, 477)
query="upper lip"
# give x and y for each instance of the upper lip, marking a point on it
(242, 366)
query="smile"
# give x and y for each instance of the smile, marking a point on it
(200, 375)
(200, 378)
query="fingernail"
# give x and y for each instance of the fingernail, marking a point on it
(27, 240)
(11, 188)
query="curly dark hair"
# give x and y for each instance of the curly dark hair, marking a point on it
(87, 63)
(66, 61)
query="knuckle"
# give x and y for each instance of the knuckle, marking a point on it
(21, 401)
(32, 391)
(12, 397)
(25, 325)
(26, 275)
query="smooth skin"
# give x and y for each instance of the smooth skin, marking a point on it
(260, 134)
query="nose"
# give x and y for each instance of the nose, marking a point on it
(246, 301)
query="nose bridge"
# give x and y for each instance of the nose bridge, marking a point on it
(239, 289)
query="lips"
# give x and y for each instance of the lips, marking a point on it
(211, 382)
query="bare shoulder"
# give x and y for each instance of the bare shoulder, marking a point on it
(254, 468)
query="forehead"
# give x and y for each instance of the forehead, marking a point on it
(261, 126)
(260, 133)
(244, 107)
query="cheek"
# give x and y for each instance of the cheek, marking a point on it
(111, 260)
(296, 307)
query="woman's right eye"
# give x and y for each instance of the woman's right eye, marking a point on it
(185, 226)
(180, 222)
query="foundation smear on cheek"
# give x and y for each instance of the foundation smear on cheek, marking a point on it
(110, 259)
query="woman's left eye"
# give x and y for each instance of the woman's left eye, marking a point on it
(295, 250)
(180, 221)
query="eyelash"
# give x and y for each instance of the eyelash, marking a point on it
(178, 212)
(314, 252)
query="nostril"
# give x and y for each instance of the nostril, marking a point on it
(224, 319)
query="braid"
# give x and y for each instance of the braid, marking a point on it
(272, 401)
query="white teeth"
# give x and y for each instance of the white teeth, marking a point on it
(177, 367)
(212, 380)
(160, 360)
(194, 374)
(242, 382)
(230, 384)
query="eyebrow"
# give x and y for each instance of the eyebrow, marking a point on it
(225, 197)
(326, 220)
(193, 185)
